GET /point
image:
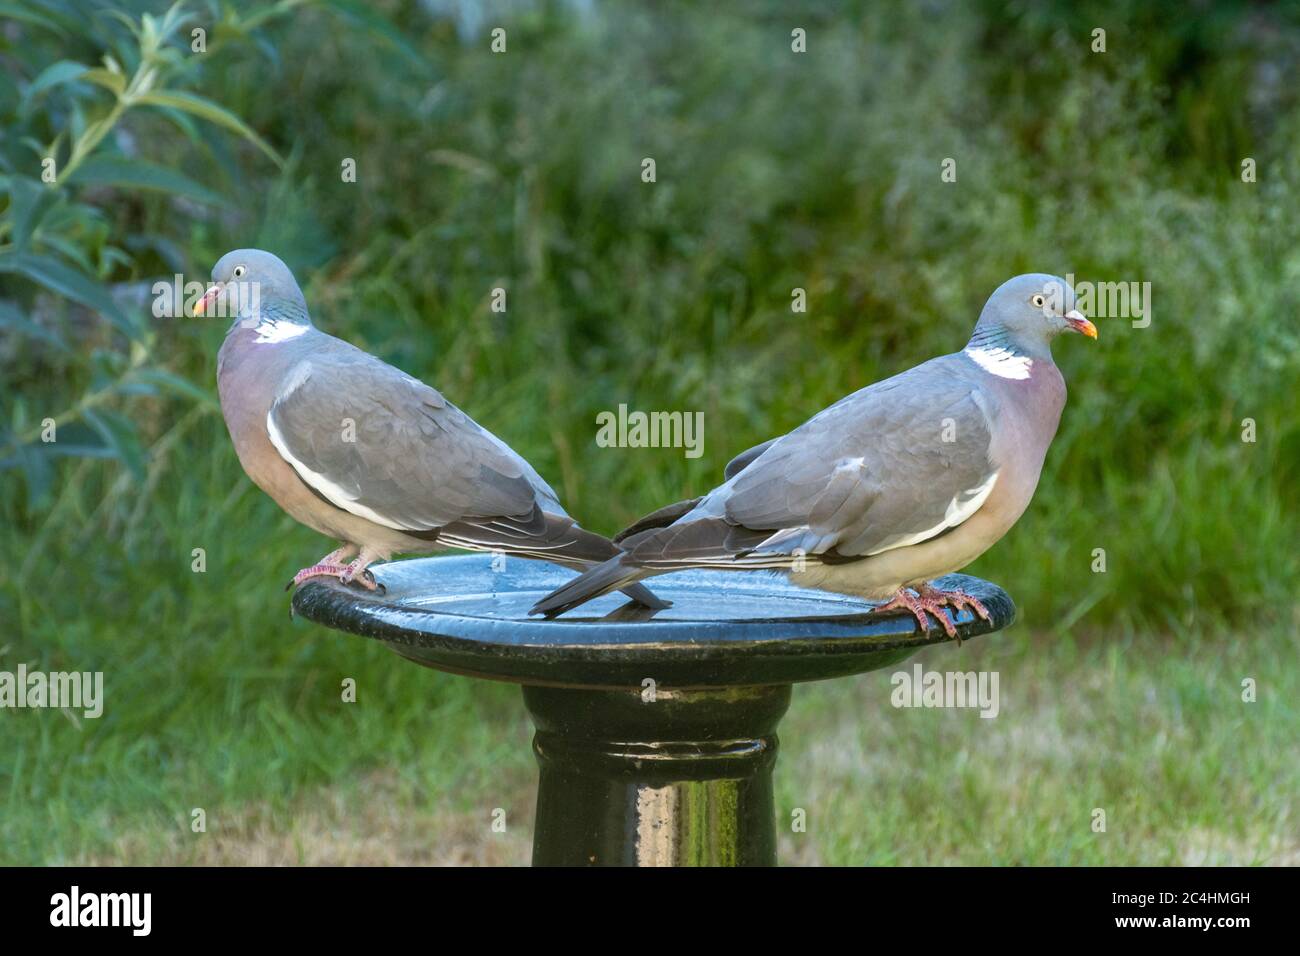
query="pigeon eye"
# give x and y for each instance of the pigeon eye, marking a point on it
(239, 271)
(1038, 301)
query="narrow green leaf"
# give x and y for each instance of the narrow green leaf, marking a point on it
(78, 256)
(74, 440)
(66, 281)
(183, 122)
(210, 111)
(29, 201)
(107, 79)
(175, 383)
(12, 318)
(64, 71)
(138, 174)
(37, 473)
(362, 15)
(20, 11)
(119, 433)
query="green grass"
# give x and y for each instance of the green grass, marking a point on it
(1151, 730)
(1121, 690)
(252, 729)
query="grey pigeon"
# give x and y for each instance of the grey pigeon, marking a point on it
(899, 483)
(364, 453)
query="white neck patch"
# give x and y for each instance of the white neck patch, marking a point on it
(1000, 362)
(270, 331)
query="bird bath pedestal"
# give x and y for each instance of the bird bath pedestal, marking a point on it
(656, 735)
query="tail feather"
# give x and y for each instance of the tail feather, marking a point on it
(602, 546)
(654, 521)
(548, 537)
(643, 595)
(615, 574)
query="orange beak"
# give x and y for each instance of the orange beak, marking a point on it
(210, 296)
(1081, 324)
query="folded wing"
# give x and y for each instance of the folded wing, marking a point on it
(384, 446)
(892, 465)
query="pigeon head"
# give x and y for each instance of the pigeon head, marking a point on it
(1024, 314)
(250, 284)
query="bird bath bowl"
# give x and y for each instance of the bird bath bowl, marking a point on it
(656, 734)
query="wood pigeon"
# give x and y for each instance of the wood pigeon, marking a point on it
(899, 483)
(364, 453)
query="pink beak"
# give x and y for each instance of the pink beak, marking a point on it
(1080, 324)
(210, 296)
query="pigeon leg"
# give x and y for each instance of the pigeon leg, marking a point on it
(340, 555)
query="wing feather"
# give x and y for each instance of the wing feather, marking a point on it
(889, 466)
(383, 445)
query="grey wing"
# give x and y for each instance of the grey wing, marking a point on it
(745, 459)
(630, 536)
(383, 445)
(891, 465)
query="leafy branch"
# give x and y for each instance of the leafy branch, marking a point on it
(55, 240)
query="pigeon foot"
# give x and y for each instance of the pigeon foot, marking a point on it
(332, 565)
(957, 600)
(933, 600)
(346, 573)
(320, 570)
(361, 577)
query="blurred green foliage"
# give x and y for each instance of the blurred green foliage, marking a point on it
(775, 170)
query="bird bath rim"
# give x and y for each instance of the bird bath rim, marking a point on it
(467, 614)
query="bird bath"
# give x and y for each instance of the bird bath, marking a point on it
(656, 736)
